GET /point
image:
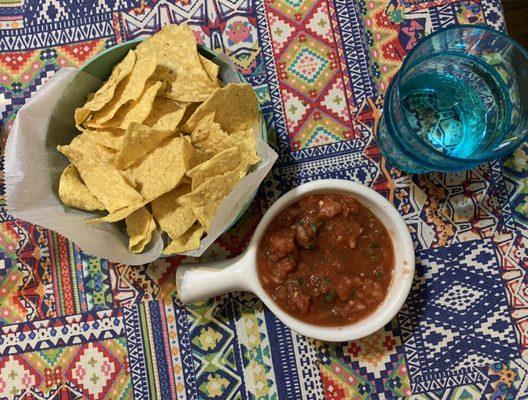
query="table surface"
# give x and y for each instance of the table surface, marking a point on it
(74, 326)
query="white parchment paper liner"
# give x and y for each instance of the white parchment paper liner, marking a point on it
(33, 167)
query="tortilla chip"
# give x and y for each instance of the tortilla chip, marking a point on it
(235, 106)
(139, 226)
(111, 138)
(189, 110)
(139, 140)
(106, 153)
(74, 193)
(133, 111)
(166, 114)
(209, 138)
(220, 164)
(211, 190)
(128, 178)
(190, 240)
(129, 89)
(84, 144)
(162, 169)
(172, 217)
(118, 215)
(198, 157)
(205, 200)
(106, 92)
(205, 214)
(210, 67)
(178, 63)
(246, 144)
(103, 180)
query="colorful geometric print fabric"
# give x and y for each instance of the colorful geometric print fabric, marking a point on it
(74, 326)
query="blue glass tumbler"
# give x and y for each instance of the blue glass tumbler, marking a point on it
(459, 99)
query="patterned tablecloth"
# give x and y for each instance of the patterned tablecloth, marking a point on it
(74, 326)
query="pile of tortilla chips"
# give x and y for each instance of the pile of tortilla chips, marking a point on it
(162, 143)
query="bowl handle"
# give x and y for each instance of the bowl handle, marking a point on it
(202, 281)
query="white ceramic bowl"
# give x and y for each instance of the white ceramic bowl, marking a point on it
(198, 282)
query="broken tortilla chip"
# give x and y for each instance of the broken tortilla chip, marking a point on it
(198, 157)
(128, 89)
(178, 63)
(163, 168)
(166, 114)
(235, 106)
(171, 216)
(247, 145)
(111, 138)
(118, 215)
(190, 240)
(139, 140)
(74, 193)
(213, 189)
(220, 164)
(211, 68)
(205, 214)
(209, 138)
(205, 200)
(106, 92)
(139, 226)
(106, 153)
(103, 180)
(133, 111)
(86, 145)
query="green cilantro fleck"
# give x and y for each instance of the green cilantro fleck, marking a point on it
(329, 296)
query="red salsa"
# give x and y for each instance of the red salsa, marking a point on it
(326, 260)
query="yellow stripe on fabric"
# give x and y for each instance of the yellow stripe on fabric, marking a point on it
(152, 348)
(148, 355)
(73, 273)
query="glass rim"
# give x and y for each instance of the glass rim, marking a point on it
(396, 81)
(420, 43)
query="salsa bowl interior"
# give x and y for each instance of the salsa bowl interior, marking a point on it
(403, 261)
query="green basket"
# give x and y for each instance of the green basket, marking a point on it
(101, 66)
